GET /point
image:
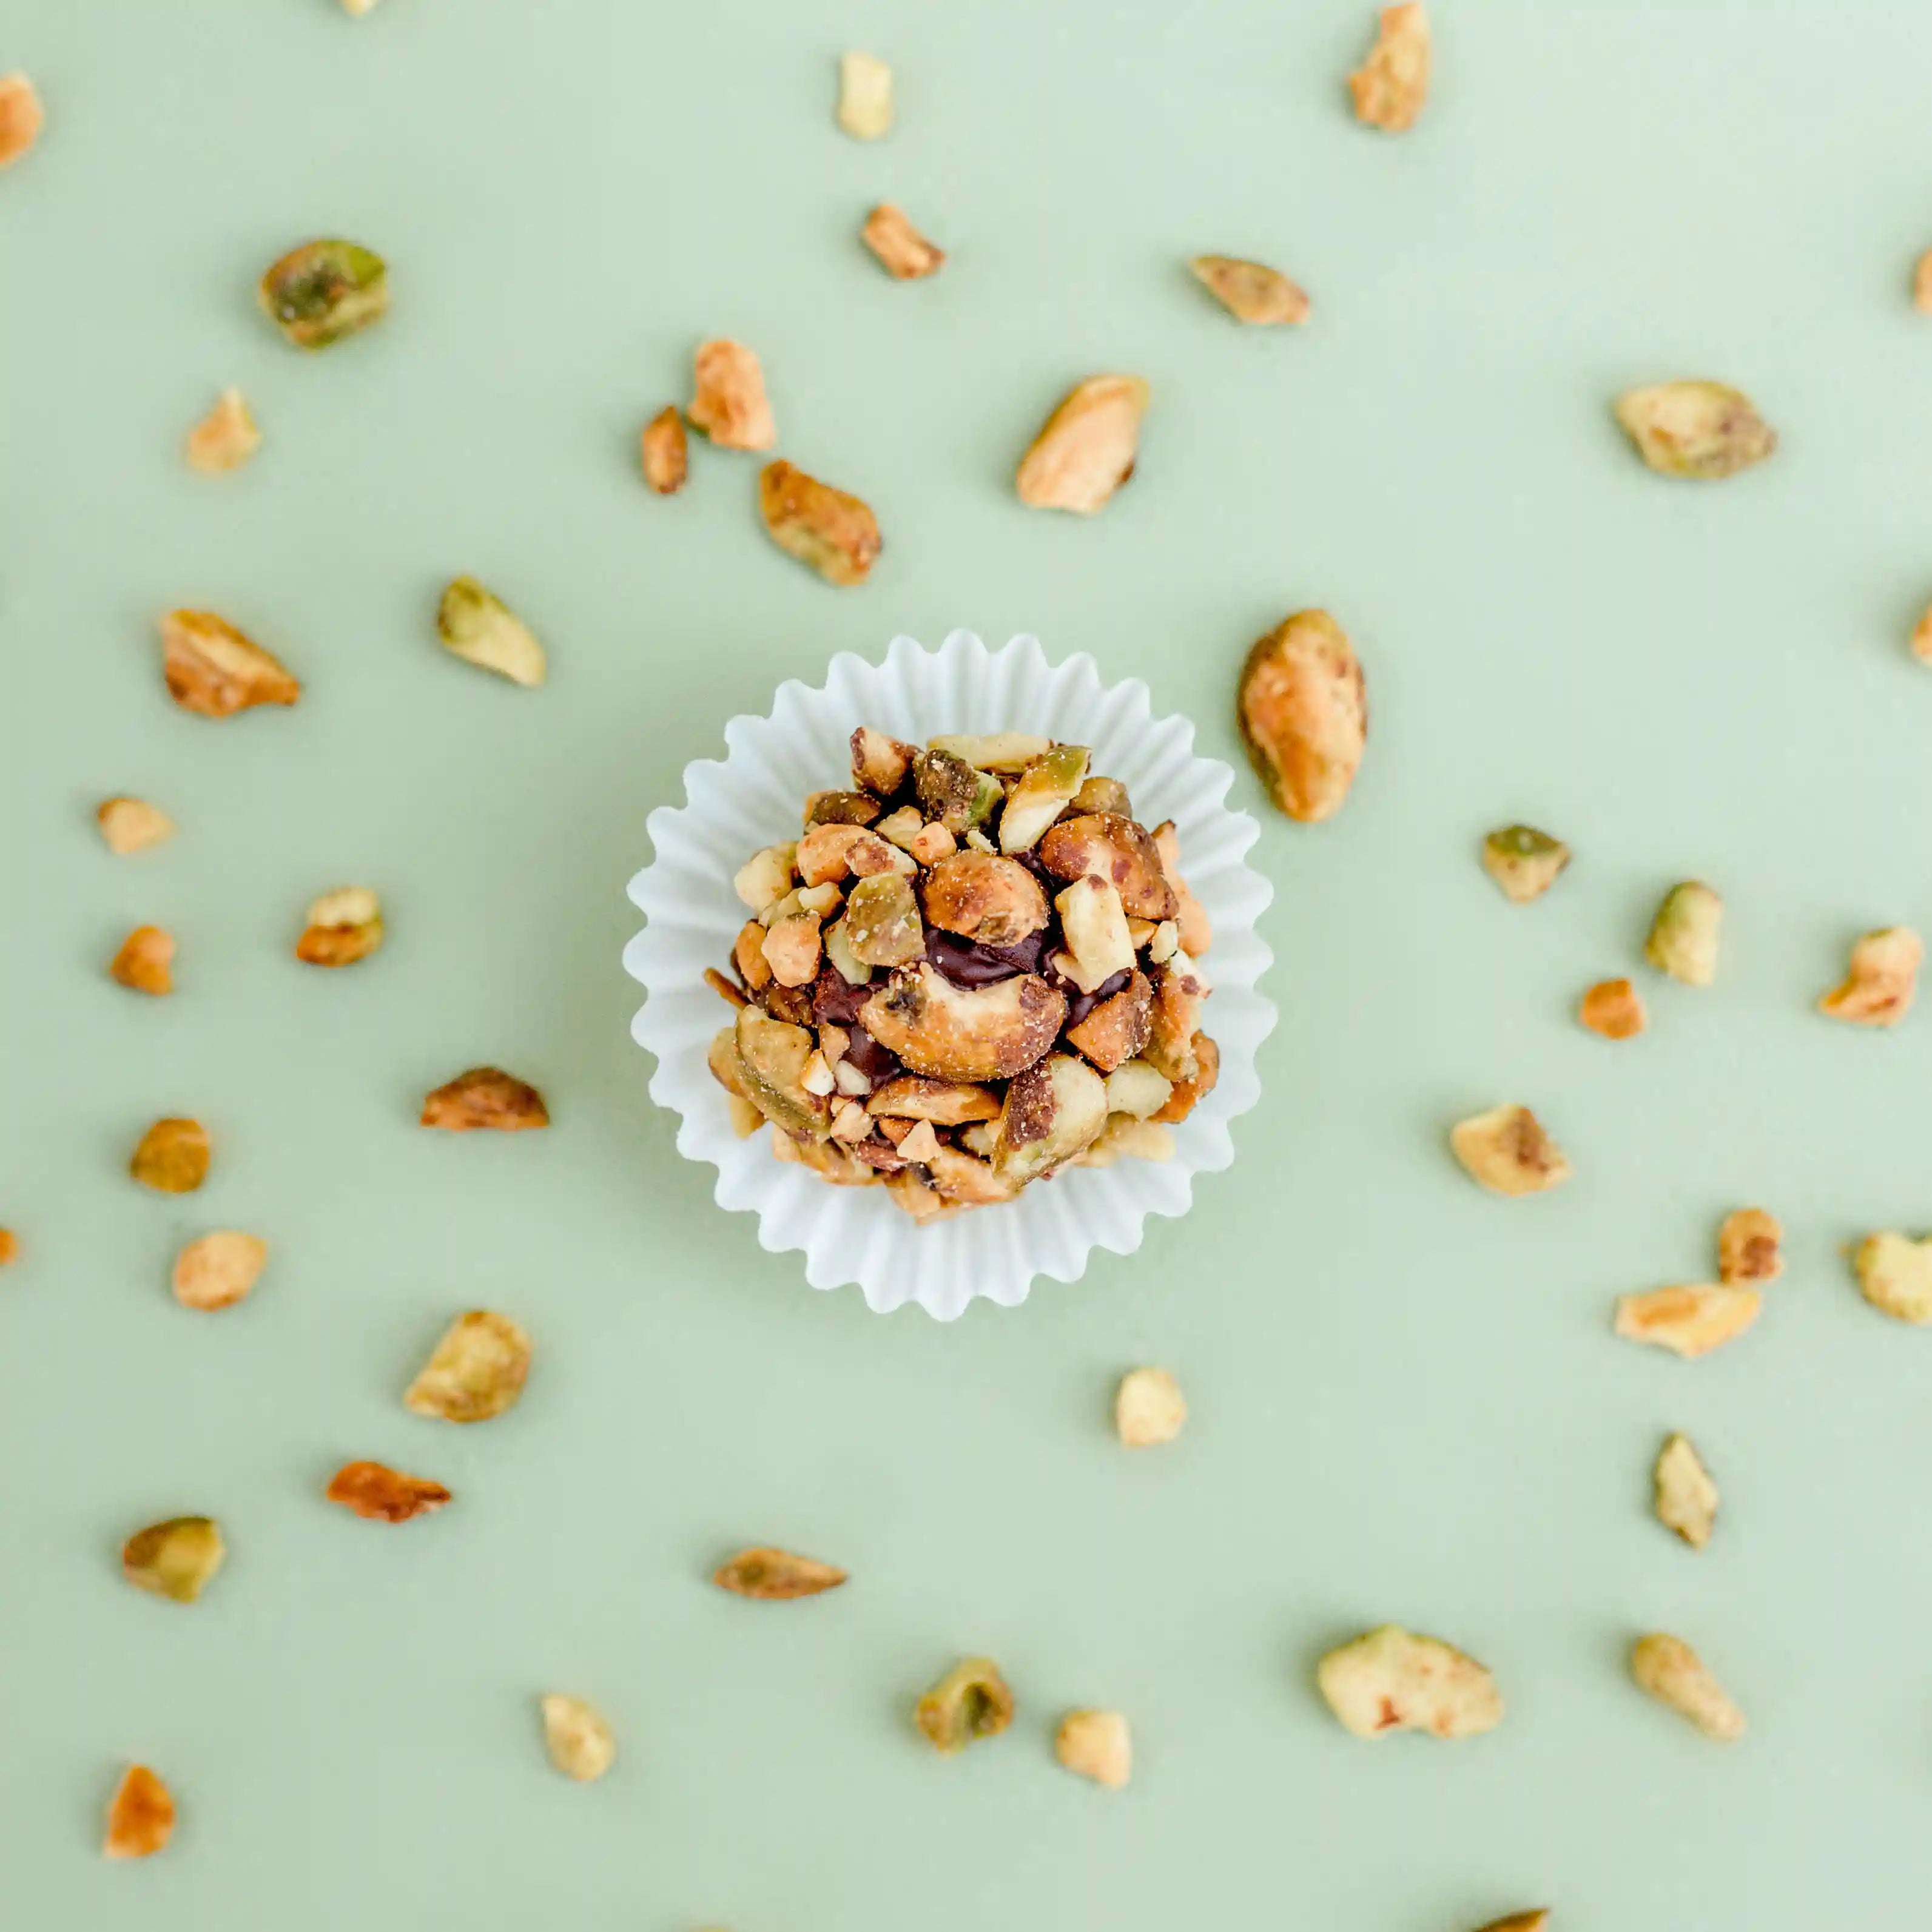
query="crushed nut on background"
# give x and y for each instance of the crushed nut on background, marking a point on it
(970, 1701)
(324, 290)
(1097, 1744)
(578, 1737)
(342, 927)
(1895, 1276)
(173, 1157)
(665, 451)
(132, 825)
(478, 627)
(1613, 1008)
(1921, 283)
(1880, 980)
(1686, 1496)
(1524, 861)
(776, 1576)
(1674, 1675)
(21, 117)
(728, 401)
(176, 1559)
(1537, 1920)
(865, 96)
(1684, 934)
(380, 1494)
(140, 1815)
(214, 670)
(1706, 430)
(9, 1247)
(1689, 1321)
(225, 438)
(1149, 1407)
(476, 1372)
(1391, 86)
(1920, 640)
(903, 252)
(1088, 447)
(217, 1270)
(1749, 1246)
(828, 530)
(1507, 1151)
(145, 961)
(1303, 713)
(1390, 1679)
(1251, 292)
(485, 1097)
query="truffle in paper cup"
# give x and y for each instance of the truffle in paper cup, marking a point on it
(754, 798)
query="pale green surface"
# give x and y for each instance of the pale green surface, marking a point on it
(1407, 1403)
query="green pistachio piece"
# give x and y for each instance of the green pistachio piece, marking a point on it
(324, 290)
(481, 629)
(882, 927)
(1701, 429)
(1523, 861)
(958, 794)
(771, 1055)
(1683, 939)
(970, 1701)
(175, 1558)
(1044, 790)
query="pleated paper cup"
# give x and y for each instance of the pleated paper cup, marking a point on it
(754, 797)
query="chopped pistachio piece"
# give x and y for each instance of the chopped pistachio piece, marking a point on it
(771, 1058)
(882, 922)
(173, 1157)
(865, 96)
(1689, 1321)
(478, 627)
(1250, 292)
(132, 825)
(1149, 1407)
(225, 438)
(903, 252)
(1524, 861)
(1054, 1109)
(1303, 710)
(476, 1371)
(211, 668)
(728, 401)
(578, 1737)
(1391, 86)
(140, 1815)
(1687, 1498)
(1675, 1675)
(379, 1494)
(1088, 447)
(665, 451)
(776, 1576)
(952, 792)
(1613, 1008)
(145, 961)
(21, 116)
(217, 1270)
(342, 927)
(1096, 1744)
(1706, 430)
(1749, 1247)
(1895, 1276)
(970, 1701)
(485, 1097)
(176, 1559)
(1045, 787)
(827, 530)
(1880, 980)
(1508, 1152)
(1684, 935)
(1390, 1679)
(324, 290)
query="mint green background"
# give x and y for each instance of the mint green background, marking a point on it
(1407, 1402)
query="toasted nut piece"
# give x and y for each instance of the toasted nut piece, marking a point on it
(1920, 640)
(173, 1157)
(817, 1078)
(1115, 849)
(920, 1144)
(1118, 1029)
(1095, 925)
(850, 967)
(132, 825)
(1895, 1276)
(970, 1701)
(140, 1816)
(1087, 448)
(1189, 1090)
(728, 401)
(828, 530)
(765, 877)
(665, 451)
(1009, 752)
(1096, 1744)
(1749, 1247)
(831, 1163)
(1674, 1674)
(947, 1103)
(143, 961)
(850, 1120)
(1191, 927)
(1249, 291)
(210, 668)
(1613, 1008)
(1148, 1408)
(911, 1196)
(1138, 1090)
(932, 844)
(952, 1033)
(828, 853)
(1046, 786)
(1687, 1498)
(792, 950)
(865, 96)
(1701, 429)
(966, 1179)
(1921, 283)
(1689, 1321)
(342, 926)
(324, 290)
(380, 1494)
(772, 1055)
(775, 1576)
(1392, 1680)
(9, 1247)
(903, 252)
(1684, 935)
(841, 807)
(745, 1119)
(225, 438)
(1053, 1111)
(478, 627)
(1172, 1029)
(880, 763)
(953, 792)
(477, 1370)
(1880, 980)
(995, 901)
(1391, 86)
(882, 923)
(1537, 1920)
(485, 1097)
(1524, 861)
(176, 1559)
(21, 116)
(217, 1270)
(1303, 710)
(903, 827)
(1507, 1151)
(578, 1737)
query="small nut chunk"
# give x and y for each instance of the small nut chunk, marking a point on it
(21, 116)
(143, 963)
(1087, 448)
(1190, 927)
(865, 96)
(1535, 1920)
(920, 1145)
(1674, 1674)
(211, 668)
(132, 825)
(1250, 291)
(1138, 1091)
(1880, 980)
(1895, 1276)
(827, 530)
(324, 290)
(1096, 1744)
(217, 1270)
(379, 1494)
(792, 949)
(140, 1815)
(342, 926)
(1095, 925)
(880, 763)
(1684, 935)
(728, 401)
(1524, 861)
(903, 252)
(970, 1701)
(882, 927)
(477, 1371)
(1391, 86)
(1048, 785)
(1149, 1407)
(1392, 1680)
(1690, 1321)
(9, 1247)
(174, 1559)
(1303, 710)
(1920, 640)
(1687, 1498)
(1118, 851)
(225, 438)
(765, 877)
(1706, 430)
(1749, 1246)
(1613, 1008)
(775, 1576)
(173, 1157)
(665, 452)
(578, 1737)
(1507, 1151)
(957, 794)
(1921, 283)
(952, 1033)
(1118, 1029)
(478, 627)
(1053, 1111)
(485, 1097)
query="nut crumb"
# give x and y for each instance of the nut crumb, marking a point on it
(1390, 1679)
(665, 451)
(217, 1270)
(1703, 431)
(1507, 1150)
(1536, 1921)
(828, 530)
(775, 1576)
(728, 401)
(1895, 1276)
(140, 1816)
(382, 1495)
(1087, 448)
(1749, 1246)
(476, 1372)
(477, 626)
(324, 290)
(214, 670)
(1096, 1744)
(1613, 1008)
(1251, 292)
(1689, 1321)
(578, 1737)
(1921, 283)
(21, 117)
(1149, 1407)
(1303, 710)
(176, 1559)
(485, 1097)
(1524, 861)
(173, 1157)
(132, 825)
(1686, 1497)
(865, 96)
(9, 1247)
(225, 438)
(342, 927)
(1684, 935)
(1391, 86)
(144, 962)
(903, 252)
(1879, 982)
(970, 1701)
(1674, 1675)
(1920, 640)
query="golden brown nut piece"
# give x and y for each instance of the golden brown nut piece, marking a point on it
(173, 1157)
(9, 1247)
(903, 252)
(1675, 1675)
(578, 1737)
(1391, 86)
(476, 1371)
(828, 530)
(1613, 1008)
(1303, 713)
(1703, 431)
(1749, 1246)
(665, 452)
(1122, 853)
(217, 1270)
(1524, 863)
(776, 1576)
(970, 1701)
(992, 900)
(1689, 1321)
(382, 1495)
(1149, 1408)
(1189, 1090)
(212, 669)
(951, 1033)
(1686, 1497)
(1895, 1275)
(1087, 448)
(140, 1816)
(1684, 933)
(21, 117)
(342, 927)
(1096, 1744)
(1507, 1151)
(224, 439)
(132, 825)
(1921, 283)
(485, 1097)
(145, 961)
(1250, 292)
(728, 401)
(1390, 1679)
(476, 626)
(176, 1559)
(1879, 982)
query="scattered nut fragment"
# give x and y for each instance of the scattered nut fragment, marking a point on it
(9, 1247)
(21, 116)
(1096, 1744)
(1149, 1407)
(140, 1816)
(1921, 283)
(1303, 710)
(765, 877)
(1690, 1321)
(665, 452)
(213, 669)
(1507, 1151)
(382, 1495)
(1250, 291)
(324, 290)
(1895, 1276)
(1686, 1497)
(217, 1270)
(1535, 1920)
(1920, 640)
(1701, 429)
(132, 825)
(775, 1576)
(342, 926)
(970, 1701)
(865, 96)
(903, 252)
(1749, 1246)
(1684, 935)
(477, 1371)
(1187, 1090)
(1391, 86)
(1524, 861)
(485, 1097)
(173, 1157)
(225, 438)
(1392, 1680)
(1614, 1009)
(142, 964)
(1674, 1674)
(478, 627)
(174, 1559)
(1880, 981)
(828, 530)
(1054, 1110)
(728, 401)
(1087, 448)
(578, 1737)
